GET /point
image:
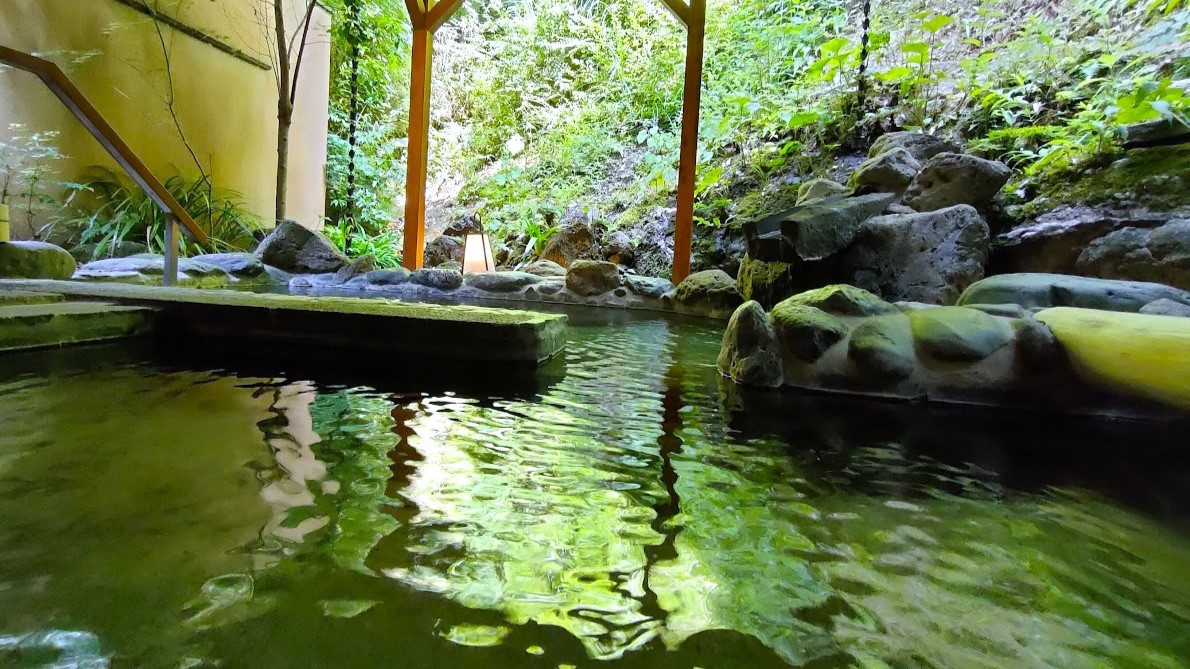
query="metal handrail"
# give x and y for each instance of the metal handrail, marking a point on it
(102, 131)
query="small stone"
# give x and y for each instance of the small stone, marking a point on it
(882, 347)
(442, 279)
(388, 277)
(843, 300)
(357, 268)
(501, 282)
(959, 333)
(712, 291)
(750, 354)
(648, 286)
(818, 189)
(593, 277)
(544, 268)
(805, 331)
(1035, 343)
(920, 145)
(1166, 307)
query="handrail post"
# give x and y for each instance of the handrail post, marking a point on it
(169, 273)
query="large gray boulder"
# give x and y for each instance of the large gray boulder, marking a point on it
(927, 257)
(950, 179)
(889, 172)
(1052, 242)
(710, 291)
(35, 260)
(1160, 255)
(750, 353)
(570, 242)
(1166, 307)
(1040, 291)
(648, 286)
(920, 145)
(443, 249)
(593, 277)
(826, 227)
(293, 248)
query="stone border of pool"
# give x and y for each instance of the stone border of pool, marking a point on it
(461, 332)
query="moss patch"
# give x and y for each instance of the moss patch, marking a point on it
(845, 300)
(806, 332)
(1157, 177)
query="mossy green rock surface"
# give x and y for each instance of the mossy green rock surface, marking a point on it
(882, 347)
(35, 260)
(805, 331)
(817, 189)
(959, 333)
(767, 282)
(844, 300)
(712, 290)
(750, 353)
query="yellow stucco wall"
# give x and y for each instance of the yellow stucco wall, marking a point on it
(226, 107)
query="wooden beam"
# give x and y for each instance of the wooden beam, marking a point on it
(688, 160)
(417, 152)
(417, 12)
(679, 9)
(105, 134)
(441, 12)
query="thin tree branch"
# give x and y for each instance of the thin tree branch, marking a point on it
(297, 64)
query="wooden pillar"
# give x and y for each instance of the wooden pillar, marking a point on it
(695, 20)
(419, 145)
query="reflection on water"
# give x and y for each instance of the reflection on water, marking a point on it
(626, 514)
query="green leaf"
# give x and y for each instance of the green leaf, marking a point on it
(937, 23)
(895, 73)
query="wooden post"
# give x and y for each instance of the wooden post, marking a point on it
(169, 273)
(418, 147)
(695, 20)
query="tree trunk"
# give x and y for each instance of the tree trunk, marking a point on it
(284, 109)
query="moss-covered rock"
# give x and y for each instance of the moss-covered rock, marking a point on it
(882, 348)
(805, 331)
(766, 282)
(818, 189)
(959, 333)
(710, 291)
(442, 279)
(1157, 177)
(750, 353)
(35, 260)
(1135, 355)
(844, 300)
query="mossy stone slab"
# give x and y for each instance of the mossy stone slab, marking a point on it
(882, 348)
(959, 333)
(1135, 355)
(461, 332)
(844, 300)
(62, 323)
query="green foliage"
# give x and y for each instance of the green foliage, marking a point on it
(26, 170)
(543, 105)
(106, 209)
(385, 245)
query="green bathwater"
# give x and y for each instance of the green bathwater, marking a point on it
(621, 508)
